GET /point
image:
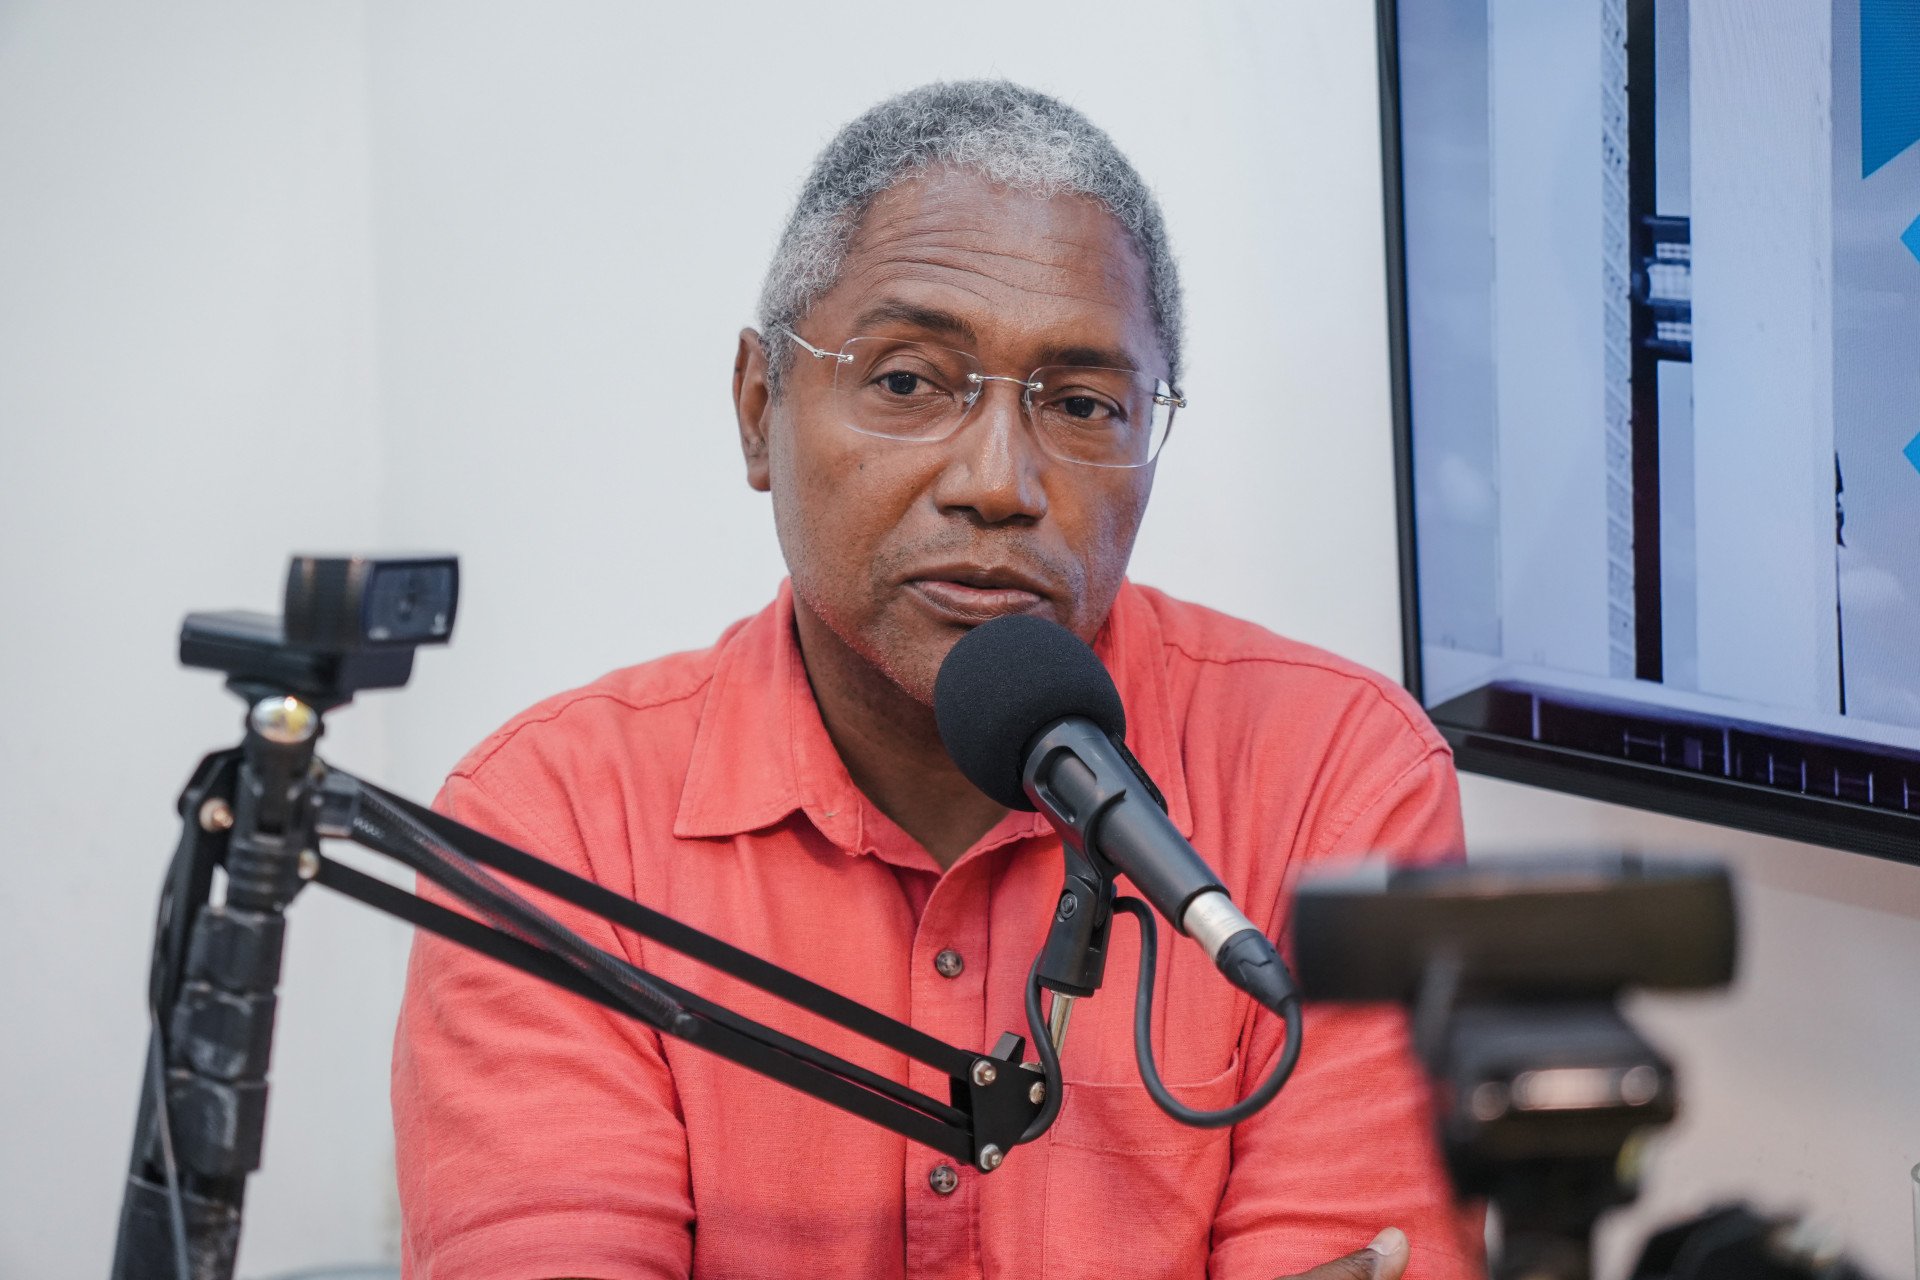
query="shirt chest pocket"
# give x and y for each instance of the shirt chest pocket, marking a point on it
(1131, 1192)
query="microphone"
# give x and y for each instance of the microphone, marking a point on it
(1032, 718)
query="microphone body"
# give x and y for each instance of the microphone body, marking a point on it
(1077, 777)
(1092, 792)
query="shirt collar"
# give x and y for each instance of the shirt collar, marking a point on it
(761, 751)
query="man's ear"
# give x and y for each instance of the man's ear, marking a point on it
(753, 406)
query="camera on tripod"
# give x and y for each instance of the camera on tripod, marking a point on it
(347, 623)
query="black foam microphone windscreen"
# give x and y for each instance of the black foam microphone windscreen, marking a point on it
(1005, 682)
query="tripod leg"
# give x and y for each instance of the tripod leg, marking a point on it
(146, 1244)
(216, 968)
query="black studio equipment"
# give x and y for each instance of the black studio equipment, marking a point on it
(252, 820)
(1545, 1093)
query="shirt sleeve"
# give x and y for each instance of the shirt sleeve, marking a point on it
(1348, 1147)
(536, 1133)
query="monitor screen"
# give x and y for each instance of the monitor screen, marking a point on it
(1656, 297)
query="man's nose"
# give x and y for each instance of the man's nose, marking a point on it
(994, 464)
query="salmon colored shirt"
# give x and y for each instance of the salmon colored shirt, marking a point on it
(541, 1135)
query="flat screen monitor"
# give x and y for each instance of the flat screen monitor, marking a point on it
(1655, 294)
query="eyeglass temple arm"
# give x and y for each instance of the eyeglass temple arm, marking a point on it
(814, 351)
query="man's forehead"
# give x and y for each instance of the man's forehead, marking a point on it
(952, 252)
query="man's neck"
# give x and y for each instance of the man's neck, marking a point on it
(891, 746)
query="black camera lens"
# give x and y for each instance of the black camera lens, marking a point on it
(409, 603)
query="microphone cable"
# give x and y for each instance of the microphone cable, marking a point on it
(157, 1082)
(1044, 1049)
(1143, 1038)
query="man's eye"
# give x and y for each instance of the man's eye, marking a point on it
(1085, 408)
(901, 383)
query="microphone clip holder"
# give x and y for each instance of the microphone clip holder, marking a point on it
(1075, 796)
(1073, 960)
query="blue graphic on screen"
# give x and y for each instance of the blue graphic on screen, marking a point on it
(1889, 80)
(1663, 358)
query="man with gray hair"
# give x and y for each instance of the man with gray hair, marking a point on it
(967, 363)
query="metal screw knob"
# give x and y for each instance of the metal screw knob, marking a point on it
(984, 1072)
(216, 815)
(1037, 1094)
(990, 1158)
(284, 720)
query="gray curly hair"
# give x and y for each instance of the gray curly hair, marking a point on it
(1008, 134)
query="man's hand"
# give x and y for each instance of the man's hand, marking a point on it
(1384, 1259)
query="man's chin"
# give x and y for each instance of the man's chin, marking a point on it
(899, 646)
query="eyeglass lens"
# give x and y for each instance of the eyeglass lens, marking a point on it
(918, 391)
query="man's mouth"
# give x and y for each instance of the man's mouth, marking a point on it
(972, 594)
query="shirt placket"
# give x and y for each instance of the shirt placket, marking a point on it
(948, 994)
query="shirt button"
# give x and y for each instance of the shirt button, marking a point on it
(943, 1179)
(949, 965)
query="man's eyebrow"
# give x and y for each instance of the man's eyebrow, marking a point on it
(946, 324)
(932, 319)
(1096, 357)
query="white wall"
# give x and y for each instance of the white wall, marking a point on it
(187, 390)
(467, 276)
